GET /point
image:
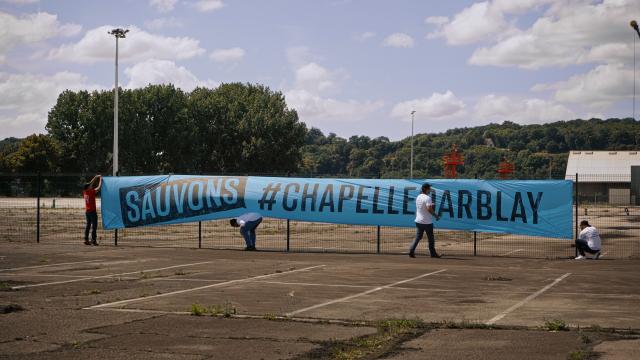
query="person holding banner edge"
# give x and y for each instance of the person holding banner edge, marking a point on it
(89, 194)
(425, 212)
(248, 223)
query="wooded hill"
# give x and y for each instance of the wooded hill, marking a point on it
(248, 129)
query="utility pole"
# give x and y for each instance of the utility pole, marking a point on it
(413, 112)
(119, 34)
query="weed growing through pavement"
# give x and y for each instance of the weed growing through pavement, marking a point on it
(555, 325)
(225, 310)
(576, 355)
(198, 310)
(389, 333)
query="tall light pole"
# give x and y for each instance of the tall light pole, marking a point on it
(634, 25)
(412, 116)
(119, 34)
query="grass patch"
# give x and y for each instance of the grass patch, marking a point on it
(585, 339)
(225, 310)
(198, 310)
(5, 286)
(389, 334)
(6, 309)
(269, 316)
(446, 324)
(180, 273)
(497, 278)
(576, 355)
(555, 325)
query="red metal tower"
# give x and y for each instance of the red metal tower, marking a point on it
(451, 161)
(505, 169)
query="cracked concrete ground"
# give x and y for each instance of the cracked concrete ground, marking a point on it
(135, 303)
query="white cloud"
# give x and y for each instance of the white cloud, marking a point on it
(208, 5)
(227, 55)
(471, 25)
(25, 99)
(481, 21)
(163, 5)
(313, 82)
(315, 78)
(31, 28)
(155, 71)
(399, 40)
(568, 33)
(609, 52)
(598, 88)
(436, 107)
(139, 45)
(524, 111)
(314, 108)
(436, 20)
(364, 36)
(163, 23)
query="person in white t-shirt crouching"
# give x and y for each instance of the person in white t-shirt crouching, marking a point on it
(424, 221)
(588, 241)
(248, 223)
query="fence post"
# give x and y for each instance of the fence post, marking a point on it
(115, 238)
(475, 241)
(475, 235)
(199, 234)
(378, 241)
(577, 206)
(288, 235)
(38, 208)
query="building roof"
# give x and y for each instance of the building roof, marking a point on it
(601, 166)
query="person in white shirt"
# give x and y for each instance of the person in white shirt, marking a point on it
(425, 213)
(248, 223)
(588, 241)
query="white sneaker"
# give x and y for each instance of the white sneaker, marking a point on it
(596, 256)
(580, 257)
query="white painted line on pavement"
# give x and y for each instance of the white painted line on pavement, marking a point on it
(59, 275)
(361, 294)
(42, 266)
(129, 301)
(526, 300)
(107, 276)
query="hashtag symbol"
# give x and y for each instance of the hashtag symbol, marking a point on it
(269, 195)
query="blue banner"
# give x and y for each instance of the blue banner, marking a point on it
(531, 207)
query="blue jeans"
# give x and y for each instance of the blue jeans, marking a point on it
(248, 232)
(420, 230)
(92, 225)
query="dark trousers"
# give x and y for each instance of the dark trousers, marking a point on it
(92, 224)
(248, 232)
(420, 230)
(583, 246)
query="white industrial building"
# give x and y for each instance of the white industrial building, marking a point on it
(606, 176)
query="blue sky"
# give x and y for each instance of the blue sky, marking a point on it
(352, 67)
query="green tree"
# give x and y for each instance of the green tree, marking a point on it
(36, 153)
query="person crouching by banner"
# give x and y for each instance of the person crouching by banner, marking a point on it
(248, 223)
(425, 212)
(89, 193)
(588, 240)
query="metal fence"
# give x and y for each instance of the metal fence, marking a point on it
(50, 210)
